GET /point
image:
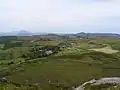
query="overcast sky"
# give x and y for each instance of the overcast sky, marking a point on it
(60, 15)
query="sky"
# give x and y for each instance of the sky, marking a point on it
(61, 16)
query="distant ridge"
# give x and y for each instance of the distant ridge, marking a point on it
(17, 33)
(82, 34)
(24, 33)
(98, 34)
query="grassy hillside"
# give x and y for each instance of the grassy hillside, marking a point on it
(77, 61)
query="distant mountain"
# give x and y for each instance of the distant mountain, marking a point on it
(17, 33)
(24, 33)
(82, 34)
(98, 34)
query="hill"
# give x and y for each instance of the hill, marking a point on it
(17, 33)
(55, 62)
(98, 34)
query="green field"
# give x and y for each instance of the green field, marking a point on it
(72, 62)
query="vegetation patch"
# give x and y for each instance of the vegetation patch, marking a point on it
(107, 50)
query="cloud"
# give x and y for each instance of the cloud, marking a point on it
(54, 14)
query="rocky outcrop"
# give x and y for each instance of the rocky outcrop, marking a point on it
(111, 80)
